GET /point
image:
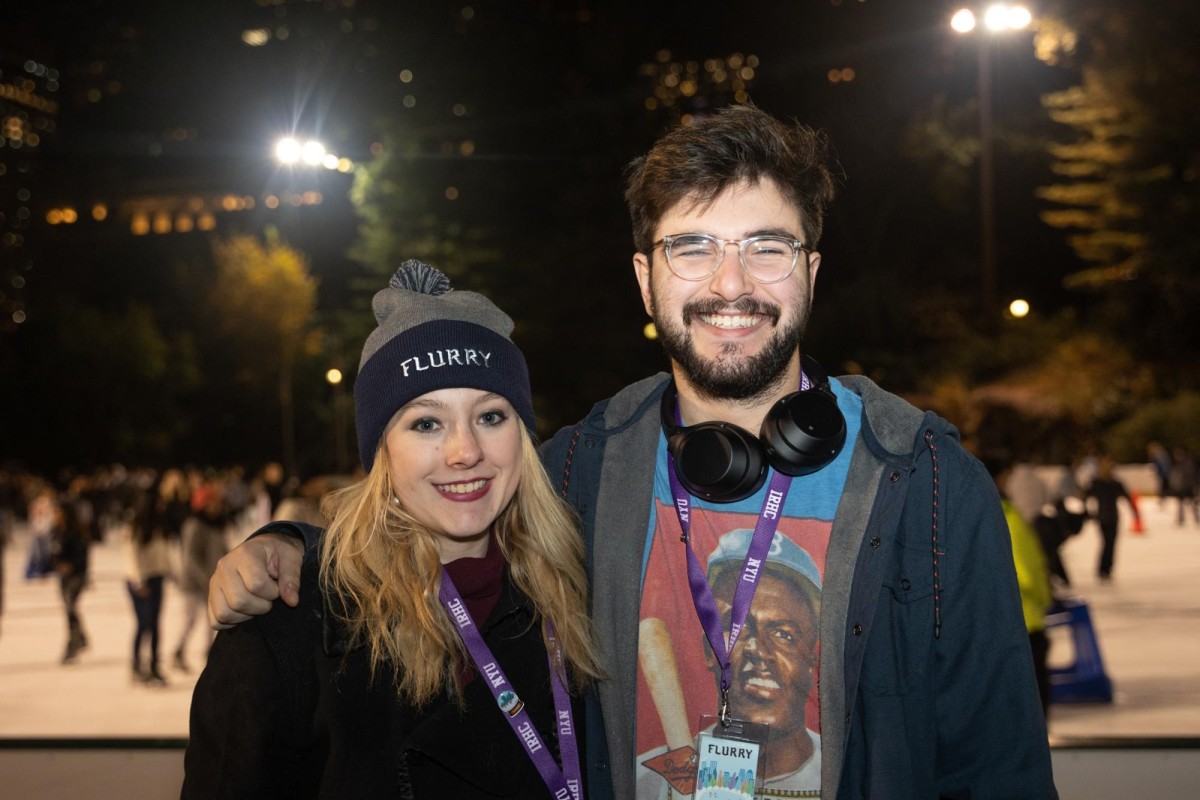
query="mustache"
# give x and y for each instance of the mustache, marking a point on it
(744, 305)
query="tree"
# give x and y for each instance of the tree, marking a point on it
(96, 386)
(265, 298)
(400, 198)
(1128, 187)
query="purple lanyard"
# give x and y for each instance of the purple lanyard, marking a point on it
(565, 783)
(756, 556)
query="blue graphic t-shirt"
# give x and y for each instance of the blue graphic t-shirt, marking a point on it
(774, 666)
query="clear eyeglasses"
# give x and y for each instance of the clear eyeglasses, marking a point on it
(766, 259)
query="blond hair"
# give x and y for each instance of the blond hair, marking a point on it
(384, 566)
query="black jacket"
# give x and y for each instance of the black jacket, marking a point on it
(285, 709)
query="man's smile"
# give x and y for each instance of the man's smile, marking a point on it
(729, 322)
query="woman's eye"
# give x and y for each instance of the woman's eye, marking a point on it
(424, 425)
(492, 417)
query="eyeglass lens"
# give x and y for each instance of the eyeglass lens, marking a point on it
(696, 256)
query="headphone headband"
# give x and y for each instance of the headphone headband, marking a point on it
(724, 463)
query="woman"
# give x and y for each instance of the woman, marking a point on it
(201, 545)
(148, 566)
(450, 621)
(68, 556)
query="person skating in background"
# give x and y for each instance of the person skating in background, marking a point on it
(1033, 580)
(149, 565)
(69, 558)
(172, 502)
(42, 517)
(1182, 482)
(1160, 459)
(202, 543)
(1061, 518)
(1107, 490)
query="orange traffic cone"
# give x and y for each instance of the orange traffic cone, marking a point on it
(1137, 526)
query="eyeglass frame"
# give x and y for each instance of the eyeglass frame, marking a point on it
(798, 247)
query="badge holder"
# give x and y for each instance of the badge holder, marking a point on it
(730, 758)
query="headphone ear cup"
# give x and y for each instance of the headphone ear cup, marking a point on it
(803, 432)
(720, 462)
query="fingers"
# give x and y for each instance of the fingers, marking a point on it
(242, 586)
(288, 563)
(222, 615)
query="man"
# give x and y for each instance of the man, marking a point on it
(1107, 489)
(928, 686)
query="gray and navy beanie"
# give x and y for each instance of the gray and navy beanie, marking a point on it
(430, 337)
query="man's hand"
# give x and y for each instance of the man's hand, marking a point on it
(250, 577)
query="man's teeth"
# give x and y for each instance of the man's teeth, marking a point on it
(763, 683)
(462, 488)
(728, 322)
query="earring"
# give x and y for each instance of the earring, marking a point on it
(395, 500)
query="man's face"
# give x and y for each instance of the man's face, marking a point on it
(776, 653)
(732, 337)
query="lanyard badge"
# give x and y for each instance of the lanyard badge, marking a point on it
(729, 759)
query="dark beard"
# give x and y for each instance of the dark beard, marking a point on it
(730, 377)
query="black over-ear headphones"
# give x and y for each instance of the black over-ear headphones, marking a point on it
(724, 463)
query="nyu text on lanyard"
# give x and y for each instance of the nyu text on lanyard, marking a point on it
(565, 783)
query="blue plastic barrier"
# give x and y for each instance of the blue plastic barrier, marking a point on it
(1084, 681)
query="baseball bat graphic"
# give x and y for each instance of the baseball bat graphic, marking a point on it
(657, 659)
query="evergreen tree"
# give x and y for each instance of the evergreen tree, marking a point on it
(1129, 167)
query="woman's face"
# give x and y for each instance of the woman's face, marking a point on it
(455, 461)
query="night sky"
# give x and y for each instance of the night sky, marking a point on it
(549, 93)
(527, 111)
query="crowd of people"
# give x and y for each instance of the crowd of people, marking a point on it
(1044, 510)
(173, 525)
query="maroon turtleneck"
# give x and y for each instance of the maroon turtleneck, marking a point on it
(479, 580)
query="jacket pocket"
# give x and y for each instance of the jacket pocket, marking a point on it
(901, 636)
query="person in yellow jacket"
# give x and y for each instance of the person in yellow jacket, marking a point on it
(1033, 580)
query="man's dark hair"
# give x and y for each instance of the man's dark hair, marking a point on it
(701, 160)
